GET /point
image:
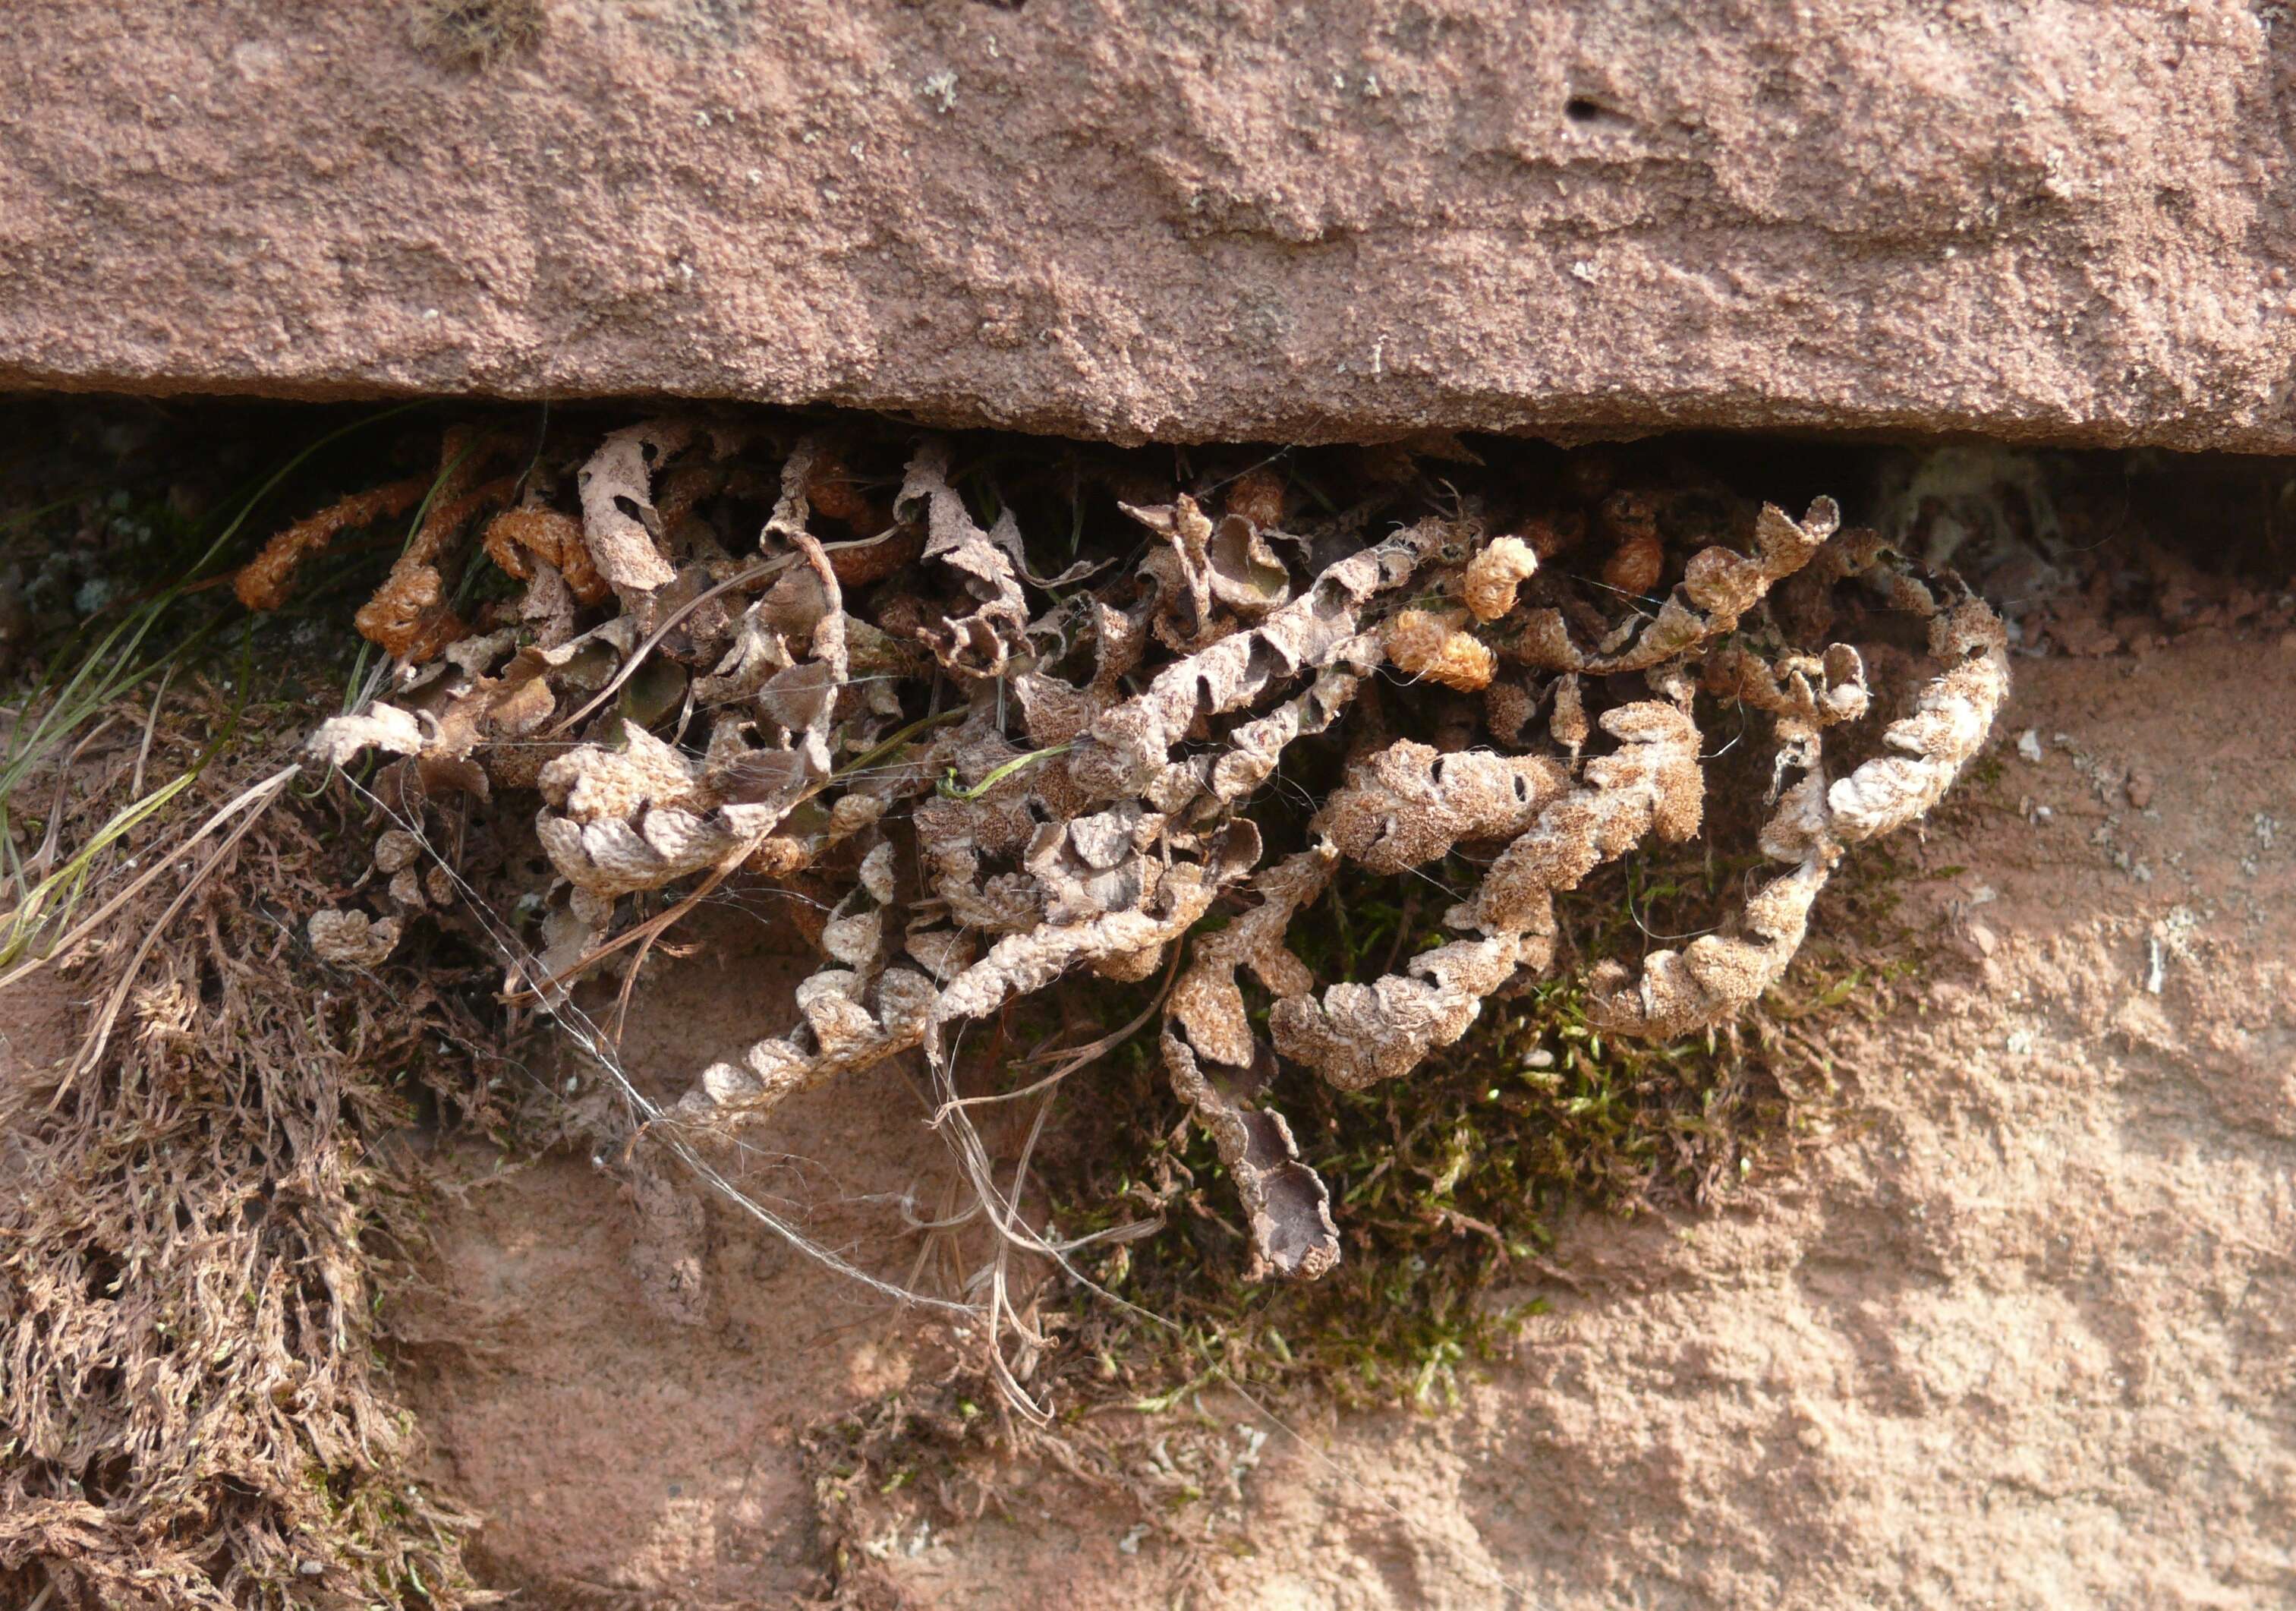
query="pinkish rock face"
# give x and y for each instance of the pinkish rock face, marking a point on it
(2051, 221)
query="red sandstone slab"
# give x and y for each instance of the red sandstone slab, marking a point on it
(2063, 221)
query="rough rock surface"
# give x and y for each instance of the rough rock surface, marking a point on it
(1199, 220)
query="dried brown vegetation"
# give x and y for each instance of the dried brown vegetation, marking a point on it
(474, 32)
(990, 778)
(988, 719)
(197, 1241)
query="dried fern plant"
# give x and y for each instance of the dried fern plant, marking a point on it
(996, 773)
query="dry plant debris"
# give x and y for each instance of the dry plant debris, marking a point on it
(471, 33)
(197, 1237)
(205, 1220)
(990, 779)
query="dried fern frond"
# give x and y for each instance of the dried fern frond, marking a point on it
(997, 779)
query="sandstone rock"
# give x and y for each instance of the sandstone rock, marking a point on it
(2051, 221)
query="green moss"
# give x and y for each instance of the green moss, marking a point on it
(1449, 1186)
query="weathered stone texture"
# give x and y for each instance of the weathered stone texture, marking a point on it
(2035, 218)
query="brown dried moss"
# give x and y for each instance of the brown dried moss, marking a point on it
(190, 1261)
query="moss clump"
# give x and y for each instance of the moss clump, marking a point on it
(1454, 1177)
(471, 33)
(194, 1410)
